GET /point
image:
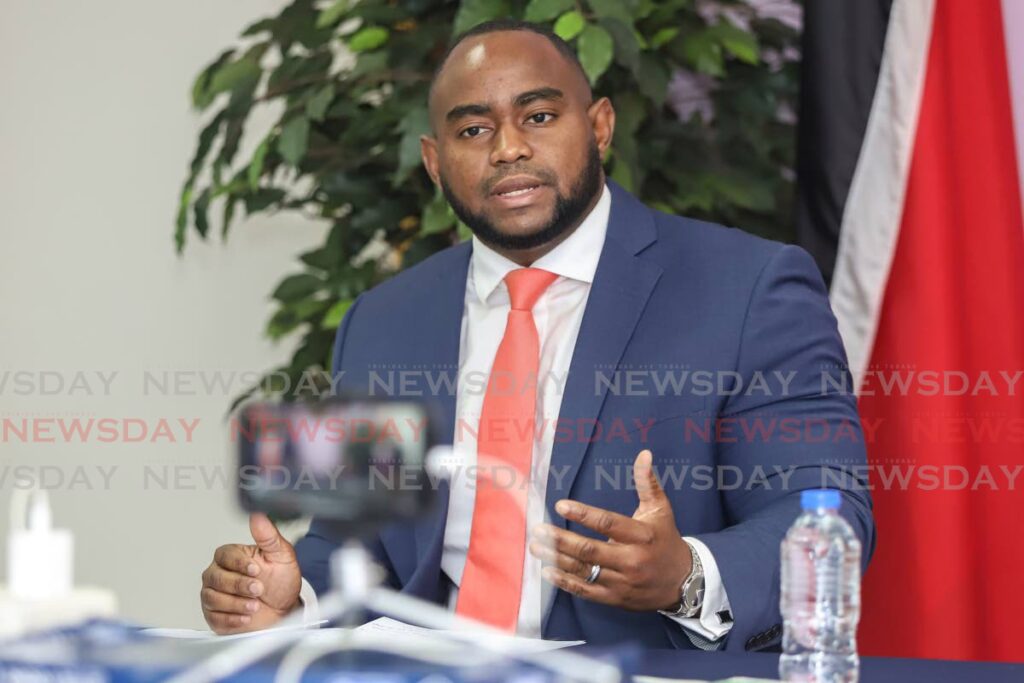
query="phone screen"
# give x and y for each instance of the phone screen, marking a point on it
(344, 459)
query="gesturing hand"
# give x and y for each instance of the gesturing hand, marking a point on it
(250, 587)
(643, 564)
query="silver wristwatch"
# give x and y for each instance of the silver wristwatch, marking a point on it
(691, 593)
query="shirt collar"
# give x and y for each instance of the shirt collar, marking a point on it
(576, 258)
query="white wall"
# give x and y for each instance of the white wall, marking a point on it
(95, 136)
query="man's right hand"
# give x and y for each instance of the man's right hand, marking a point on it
(251, 587)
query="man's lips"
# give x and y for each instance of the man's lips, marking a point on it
(520, 197)
(510, 186)
(517, 191)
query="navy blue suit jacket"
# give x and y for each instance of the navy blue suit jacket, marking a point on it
(670, 295)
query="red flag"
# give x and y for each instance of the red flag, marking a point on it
(945, 581)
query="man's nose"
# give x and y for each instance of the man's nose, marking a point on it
(510, 145)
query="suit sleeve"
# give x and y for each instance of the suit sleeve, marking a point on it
(315, 548)
(809, 436)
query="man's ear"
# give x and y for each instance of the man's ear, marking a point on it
(428, 150)
(602, 118)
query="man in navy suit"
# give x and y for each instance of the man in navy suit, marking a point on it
(689, 386)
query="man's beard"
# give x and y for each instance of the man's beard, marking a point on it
(568, 211)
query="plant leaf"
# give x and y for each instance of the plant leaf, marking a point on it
(473, 12)
(368, 38)
(181, 222)
(241, 73)
(334, 315)
(546, 10)
(229, 146)
(569, 25)
(201, 97)
(258, 157)
(316, 107)
(745, 191)
(663, 36)
(323, 258)
(413, 125)
(281, 323)
(612, 9)
(294, 139)
(627, 49)
(437, 216)
(295, 287)
(704, 53)
(258, 27)
(739, 43)
(201, 211)
(622, 174)
(595, 49)
(653, 79)
(206, 138)
(332, 14)
(262, 199)
(229, 216)
(630, 111)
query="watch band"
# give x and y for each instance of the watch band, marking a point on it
(691, 592)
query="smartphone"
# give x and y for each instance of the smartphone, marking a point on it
(359, 462)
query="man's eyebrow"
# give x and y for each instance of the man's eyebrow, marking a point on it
(525, 98)
(520, 100)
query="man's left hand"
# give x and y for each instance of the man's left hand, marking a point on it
(644, 562)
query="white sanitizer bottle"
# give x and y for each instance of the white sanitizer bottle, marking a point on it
(40, 573)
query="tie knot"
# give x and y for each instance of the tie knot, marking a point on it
(525, 285)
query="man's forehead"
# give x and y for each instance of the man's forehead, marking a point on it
(500, 48)
(509, 61)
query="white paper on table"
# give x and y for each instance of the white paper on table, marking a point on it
(383, 631)
(190, 634)
(390, 628)
(387, 635)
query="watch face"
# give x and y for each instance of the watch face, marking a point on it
(700, 597)
(693, 592)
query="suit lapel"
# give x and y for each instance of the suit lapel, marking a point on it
(441, 339)
(438, 330)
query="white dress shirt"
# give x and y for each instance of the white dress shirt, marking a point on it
(558, 314)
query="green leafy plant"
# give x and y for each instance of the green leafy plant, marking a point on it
(702, 93)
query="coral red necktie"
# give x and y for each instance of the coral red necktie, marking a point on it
(492, 581)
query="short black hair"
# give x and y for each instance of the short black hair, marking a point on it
(507, 24)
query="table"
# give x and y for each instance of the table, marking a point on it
(689, 664)
(718, 665)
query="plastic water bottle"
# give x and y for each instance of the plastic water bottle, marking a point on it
(820, 594)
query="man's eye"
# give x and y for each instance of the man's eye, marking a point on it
(540, 113)
(463, 133)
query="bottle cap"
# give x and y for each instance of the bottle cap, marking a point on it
(814, 499)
